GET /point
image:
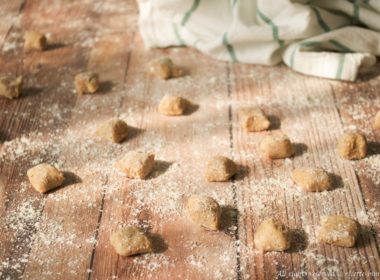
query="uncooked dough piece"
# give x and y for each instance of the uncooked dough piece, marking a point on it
(164, 68)
(253, 119)
(338, 230)
(277, 146)
(9, 87)
(376, 122)
(130, 241)
(312, 179)
(45, 177)
(86, 82)
(114, 130)
(220, 169)
(136, 164)
(173, 105)
(34, 41)
(272, 235)
(204, 211)
(352, 145)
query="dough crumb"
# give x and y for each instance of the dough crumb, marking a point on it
(272, 235)
(376, 122)
(253, 119)
(136, 164)
(173, 105)
(130, 241)
(204, 211)
(114, 130)
(164, 68)
(339, 231)
(277, 146)
(34, 40)
(86, 82)
(312, 179)
(9, 87)
(220, 169)
(352, 145)
(45, 177)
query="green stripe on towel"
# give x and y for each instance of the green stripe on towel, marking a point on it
(339, 71)
(188, 14)
(274, 27)
(230, 48)
(355, 19)
(320, 20)
(340, 46)
(178, 35)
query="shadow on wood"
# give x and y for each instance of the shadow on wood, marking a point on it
(160, 167)
(70, 179)
(242, 172)
(337, 181)
(366, 235)
(4, 136)
(53, 46)
(191, 108)
(229, 220)
(159, 244)
(298, 240)
(373, 148)
(105, 87)
(299, 149)
(275, 122)
(133, 132)
(31, 91)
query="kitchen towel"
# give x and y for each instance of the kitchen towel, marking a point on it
(327, 38)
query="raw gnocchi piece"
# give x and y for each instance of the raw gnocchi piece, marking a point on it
(272, 235)
(114, 130)
(173, 105)
(253, 119)
(136, 164)
(277, 146)
(164, 68)
(34, 40)
(131, 240)
(220, 169)
(86, 82)
(204, 211)
(45, 177)
(10, 87)
(312, 179)
(352, 145)
(339, 231)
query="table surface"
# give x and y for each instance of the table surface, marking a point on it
(65, 234)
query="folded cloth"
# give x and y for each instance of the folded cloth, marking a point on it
(327, 38)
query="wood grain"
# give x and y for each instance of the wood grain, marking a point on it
(296, 100)
(175, 141)
(65, 234)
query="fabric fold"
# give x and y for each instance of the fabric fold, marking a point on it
(330, 39)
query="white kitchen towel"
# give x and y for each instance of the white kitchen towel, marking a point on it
(327, 38)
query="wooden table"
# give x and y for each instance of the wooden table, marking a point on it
(65, 234)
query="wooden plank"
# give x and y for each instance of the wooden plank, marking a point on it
(357, 105)
(32, 125)
(80, 153)
(9, 13)
(51, 124)
(156, 204)
(308, 115)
